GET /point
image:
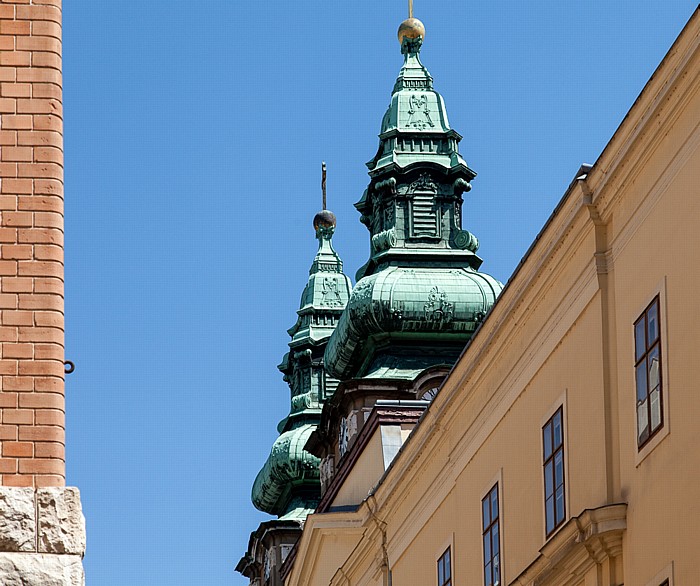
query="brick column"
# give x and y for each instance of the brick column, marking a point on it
(31, 245)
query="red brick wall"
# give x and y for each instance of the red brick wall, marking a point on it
(31, 245)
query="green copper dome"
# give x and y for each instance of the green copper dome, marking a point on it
(288, 484)
(401, 308)
(419, 297)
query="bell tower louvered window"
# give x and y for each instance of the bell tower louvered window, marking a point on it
(424, 213)
(424, 216)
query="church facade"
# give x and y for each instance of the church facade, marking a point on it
(542, 433)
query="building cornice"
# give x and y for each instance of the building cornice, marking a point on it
(546, 252)
(642, 130)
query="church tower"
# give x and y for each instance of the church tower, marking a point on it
(375, 356)
(288, 485)
(419, 298)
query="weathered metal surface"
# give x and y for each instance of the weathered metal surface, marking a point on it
(288, 484)
(420, 285)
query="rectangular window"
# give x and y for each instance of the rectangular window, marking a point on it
(491, 538)
(444, 569)
(554, 495)
(647, 371)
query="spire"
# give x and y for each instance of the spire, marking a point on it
(413, 204)
(419, 288)
(322, 302)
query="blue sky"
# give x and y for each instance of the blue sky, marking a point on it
(194, 134)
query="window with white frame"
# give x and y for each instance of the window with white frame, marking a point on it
(647, 370)
(491, 537)
(554, 485)
(444, 569)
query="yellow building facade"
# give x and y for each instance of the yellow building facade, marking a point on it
(563, 447)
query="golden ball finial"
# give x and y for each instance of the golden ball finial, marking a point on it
(411, 28)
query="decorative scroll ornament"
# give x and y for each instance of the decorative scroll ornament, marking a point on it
(384, 240)
(438, 309)
(466, 241)
(419, 113)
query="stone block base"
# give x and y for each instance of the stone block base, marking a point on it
(40, 569)
(42, 537)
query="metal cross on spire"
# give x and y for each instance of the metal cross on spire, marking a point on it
(323, 182)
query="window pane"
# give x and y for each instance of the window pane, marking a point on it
(549, 508)
(653, 323)
(485, 512)
(557, 429)
(642, 422)
(441, 573)
(547, 440)
(559, 469)
(448, 565)
(494, 540)
(560, 505)
(487, 545)
(641, 376)
(549, 479)
(494, 502)
(653, 361)
(655, 399)
(487, 575)
(497, 570)
(640, 346)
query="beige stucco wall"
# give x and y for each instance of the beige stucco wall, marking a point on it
(369, 467)
(562, 334)
(655, 245)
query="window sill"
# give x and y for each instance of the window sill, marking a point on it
(650, 446)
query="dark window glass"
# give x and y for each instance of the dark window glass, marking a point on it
(553, 449)
(492, 546)
(639, 340)
(444, 569)
(647, 369)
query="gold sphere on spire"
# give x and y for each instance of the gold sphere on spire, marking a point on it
(411, 28)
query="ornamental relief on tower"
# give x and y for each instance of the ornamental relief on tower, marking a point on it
(424, 183)
(377, 213)
(419, 113)
(438, 309)
(330, 293)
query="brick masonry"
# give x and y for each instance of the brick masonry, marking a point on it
(32, 410)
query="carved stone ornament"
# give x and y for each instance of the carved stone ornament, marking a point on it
(466, 240)
(331, 296)
(267, 565)
(384, 240)
(327, 470)
(352, 425)
(343, 437)
(438, 309)
(423, 184)
(419, 113)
